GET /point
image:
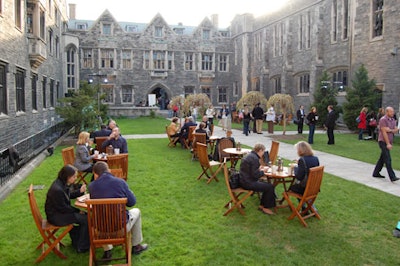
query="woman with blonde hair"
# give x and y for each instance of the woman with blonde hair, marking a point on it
(362, 125)
(82, 153)
(306, 161)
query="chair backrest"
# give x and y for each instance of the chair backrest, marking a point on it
(223, 144)
(107, 223)
(273, 152)
(314, 181)
(191, 131)
(119, 161)
(200, 137)
(68, 155)
(99, 144)
(37, 216)
(202, 154)
(226, 175)
(117, 172)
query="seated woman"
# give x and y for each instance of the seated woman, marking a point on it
(82, 153)
(306, 161)
(173, 130)
(60, 212)
(202, 129)
(250, 172)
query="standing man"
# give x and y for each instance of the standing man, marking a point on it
(330, 125)
(105, 185)
(270, 119)
(258, 113)
(116, 141)
(300, 119)
(387, 129)
(210, 113)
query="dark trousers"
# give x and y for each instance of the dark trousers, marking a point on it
(268, 193)
(300, 125)
(384, 159)
(311, 133)
(331, 137)
(246, 124)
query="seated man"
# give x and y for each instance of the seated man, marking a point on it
(202, 129)
(103, 132)
(250, 172)
(105, 185)
(116, 141)
(185, 129)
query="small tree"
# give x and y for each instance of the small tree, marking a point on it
(201, 101)
(283, 103)
(363, 94)
(325, 95)
(80, 108)
(251, 99)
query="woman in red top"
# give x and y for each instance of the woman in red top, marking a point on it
(362, 125)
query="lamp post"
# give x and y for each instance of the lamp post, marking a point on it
(99, 77)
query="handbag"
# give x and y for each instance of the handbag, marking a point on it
(234, 179)
(372, 122)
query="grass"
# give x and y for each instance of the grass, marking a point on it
(183, 222)
(142, 125)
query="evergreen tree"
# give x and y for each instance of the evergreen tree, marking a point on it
(325, 95)
(80, 108)
(362, 94)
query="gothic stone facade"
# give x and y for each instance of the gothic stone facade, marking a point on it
(32, 68)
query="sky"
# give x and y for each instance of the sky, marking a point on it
(189, 12)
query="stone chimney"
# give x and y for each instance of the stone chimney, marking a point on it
(214, 20)
(72, 11)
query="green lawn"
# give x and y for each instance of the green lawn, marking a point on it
(183, 222)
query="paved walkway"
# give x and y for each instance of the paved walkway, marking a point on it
(348, 169)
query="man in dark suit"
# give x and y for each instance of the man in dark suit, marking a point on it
(103, 132)
(185, 130)
(300, 119)
(330, 125)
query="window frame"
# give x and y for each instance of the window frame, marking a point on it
(34, 79)
(3, 88)
(20, 90)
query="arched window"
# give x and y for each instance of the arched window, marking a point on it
(71, 68)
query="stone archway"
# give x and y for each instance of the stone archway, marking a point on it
(162, 95)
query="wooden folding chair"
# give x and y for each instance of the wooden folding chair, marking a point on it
(68, 155)
(117, 172)
(107, 226)
(171, 140)
(119, 161)
(189, 141)
(206, 164)
(224, 143)
(47, 231)
(308, 198)
(198, 138)
(273, 152)
(237, 195)
(99, 144)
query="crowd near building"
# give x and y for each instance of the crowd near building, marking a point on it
(44, 53)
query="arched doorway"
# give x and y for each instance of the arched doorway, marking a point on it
(161, 96)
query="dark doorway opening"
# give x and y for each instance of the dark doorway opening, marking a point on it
(161, 97)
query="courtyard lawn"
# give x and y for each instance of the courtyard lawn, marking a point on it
(183, 222)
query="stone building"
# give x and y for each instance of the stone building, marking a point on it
(33, 36)
(43, 54)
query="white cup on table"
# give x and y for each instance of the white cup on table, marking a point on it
(116, 151)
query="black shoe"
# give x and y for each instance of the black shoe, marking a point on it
(378, 176)
(107, 255)
(82, 250)
(394, 179)
(136, 250)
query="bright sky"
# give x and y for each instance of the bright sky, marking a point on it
(188, 12)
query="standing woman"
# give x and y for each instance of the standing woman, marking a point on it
(362, 125)
(246, 120)
(270, 118)
(82, 153)
(312, 118)
(60, 212)
(223, 116)
(210, 113)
